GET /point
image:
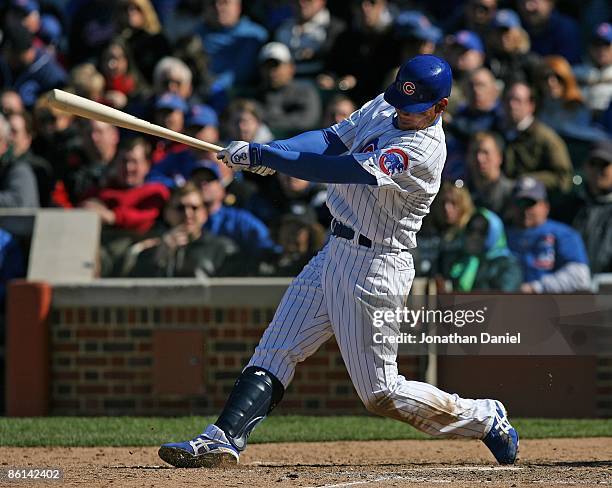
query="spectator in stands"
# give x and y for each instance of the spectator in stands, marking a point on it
(128, 202)
(550, 31)
(415, 34)
(91, 28)
(551, 254)
(24, 12)
(57, 140)
(183, 20)
(17, 181)
(87, 82)
(482, 112)
(451, 211)
(562, 107)
(123, 83)
(21, 137)
(595, 76)
(589, 209)
(190, 50)
(489, 186)
(475, 16)
(10, 102)
(533, 148)
(370, 40)
(174, 76)
(509, 55)
(176, 168)
(181, 248)
(170, 110)
(139, 26)
(91, 163)
(310, 35)
(239, 225)
(464, 51)
(300, 238)
(289, 105)
(232, 43)
(338, 109)
(289, 195)
(243, 122)
(28, 70)
(484, 262)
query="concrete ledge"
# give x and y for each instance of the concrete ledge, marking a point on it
(172, 292)
(145, 292)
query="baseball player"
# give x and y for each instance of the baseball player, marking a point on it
(383, 166)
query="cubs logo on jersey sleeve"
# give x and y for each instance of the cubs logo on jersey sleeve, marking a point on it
(393, 161)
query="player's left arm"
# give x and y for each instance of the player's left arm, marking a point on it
(319, 168)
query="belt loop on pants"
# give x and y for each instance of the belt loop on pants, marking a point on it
(338, 229)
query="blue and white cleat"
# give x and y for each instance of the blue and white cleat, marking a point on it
(200, 452)
(502, 440)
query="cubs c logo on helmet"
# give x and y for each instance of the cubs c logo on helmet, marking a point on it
(408, 88)
(393, 161)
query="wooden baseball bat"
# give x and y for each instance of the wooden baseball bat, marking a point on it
(83, 107)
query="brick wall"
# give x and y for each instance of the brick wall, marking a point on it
(175, 347)
(177, 361)
(604, 387)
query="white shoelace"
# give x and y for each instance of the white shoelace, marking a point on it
(502, 423)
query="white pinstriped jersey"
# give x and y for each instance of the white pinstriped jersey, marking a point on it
(338, 290)
(407, 166)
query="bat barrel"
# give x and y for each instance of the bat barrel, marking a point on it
(83, 107)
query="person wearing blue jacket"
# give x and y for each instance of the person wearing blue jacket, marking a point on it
(552, 254)
(240, 225)
(232, 42)
(28, 70)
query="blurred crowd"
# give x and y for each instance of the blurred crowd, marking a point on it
(526, 201)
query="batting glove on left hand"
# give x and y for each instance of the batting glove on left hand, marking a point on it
(239, 155)
(236, 155)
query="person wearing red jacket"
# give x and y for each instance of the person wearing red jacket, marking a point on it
(128, 202)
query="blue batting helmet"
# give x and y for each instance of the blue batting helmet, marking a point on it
(421, 82)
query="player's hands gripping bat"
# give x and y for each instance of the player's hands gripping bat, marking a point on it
(237, 155)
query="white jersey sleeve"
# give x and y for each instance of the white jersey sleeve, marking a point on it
(347, 129)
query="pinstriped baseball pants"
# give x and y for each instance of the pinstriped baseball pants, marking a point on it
(336, 294)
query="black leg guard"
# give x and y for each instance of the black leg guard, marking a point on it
(255, 393)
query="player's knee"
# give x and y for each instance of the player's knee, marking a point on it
(379, 403)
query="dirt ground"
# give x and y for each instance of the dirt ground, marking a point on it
(544, 463)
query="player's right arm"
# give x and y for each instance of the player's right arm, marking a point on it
(333, 141)
(323, 141)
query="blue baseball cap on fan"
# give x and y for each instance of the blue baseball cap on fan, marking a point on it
(468, 40)
(412, 23)
(603, 32)
(27, 6)
(506, 19)
(529, 188)
(202, 116)
(205, 164)
(171, 101)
